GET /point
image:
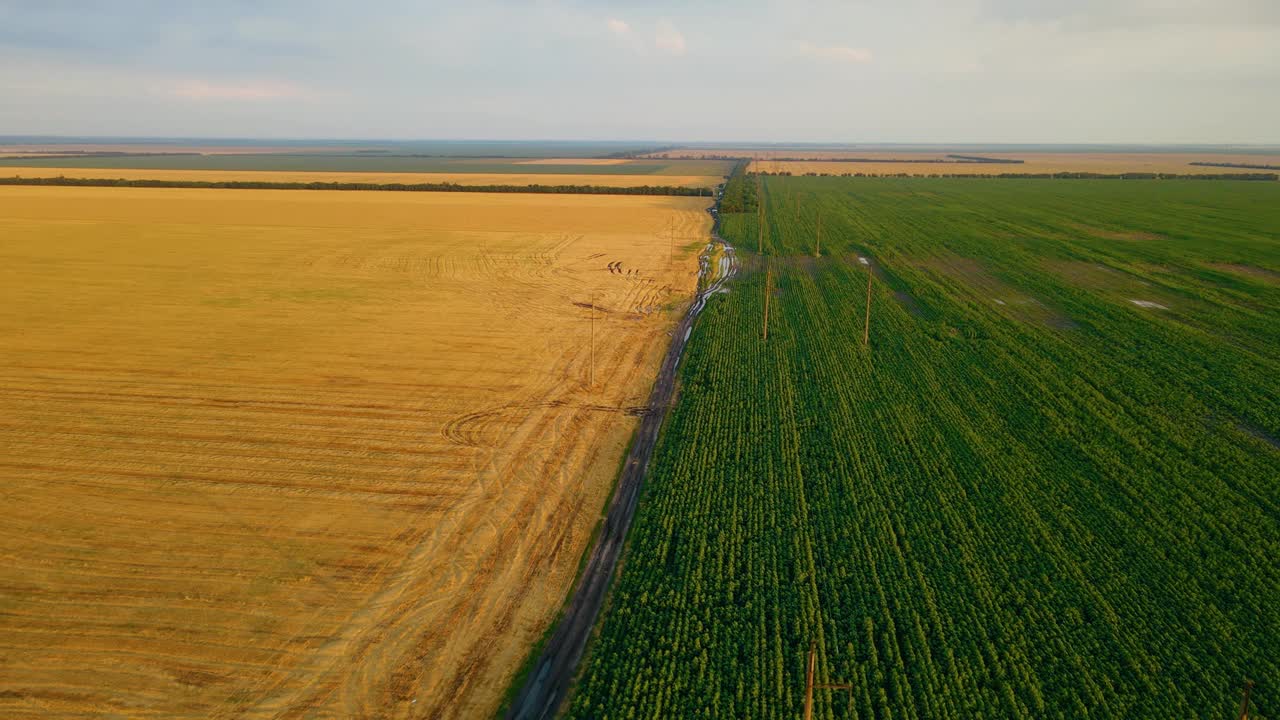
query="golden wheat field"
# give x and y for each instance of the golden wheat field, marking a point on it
(310, 454)
(460, 178)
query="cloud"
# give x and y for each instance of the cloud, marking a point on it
(837, 53)
(668, 39)
(251, 91)
(1133, 14)
(618, 27)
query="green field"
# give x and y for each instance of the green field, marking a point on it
(318, 162)
(1050, 487)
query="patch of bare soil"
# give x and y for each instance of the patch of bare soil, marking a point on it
(1112, 234)
(1006, 299)
(1269, 276)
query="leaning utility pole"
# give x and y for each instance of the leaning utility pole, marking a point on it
(768, 286)
(866, 328)
(817, 248)
(809, 686)
(1244, 704)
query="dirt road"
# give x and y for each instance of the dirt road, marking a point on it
(547, 684)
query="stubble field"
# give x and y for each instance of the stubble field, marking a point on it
(272, 454)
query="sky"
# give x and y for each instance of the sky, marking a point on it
(924, 71)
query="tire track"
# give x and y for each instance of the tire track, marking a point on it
(547, 685)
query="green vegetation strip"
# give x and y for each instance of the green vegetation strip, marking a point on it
(1045, 176)
(393, 187)
(1050, 487)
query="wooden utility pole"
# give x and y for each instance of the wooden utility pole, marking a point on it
(1244, 703)
(671, 242)
(817, 248)
(591, 373)
(809, 686)
(760, 215)
(866, 328)
(768, 286)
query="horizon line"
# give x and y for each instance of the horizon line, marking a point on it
(25, 138)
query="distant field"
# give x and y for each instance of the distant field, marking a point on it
(1049, 487)
(440, 148)
(460, 178)
(50, 149)
(279, 454)
(379, 164)
(1034, 163)
(572, 161)
(933, 162)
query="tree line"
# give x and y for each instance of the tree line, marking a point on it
(393, 187)
(950, 159)
(739, 191)
(1237, 165)
(988, 160)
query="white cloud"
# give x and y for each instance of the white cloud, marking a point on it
(668, 39)
(251, 91)
(1174, 70)
(618, 27)
(837, 53)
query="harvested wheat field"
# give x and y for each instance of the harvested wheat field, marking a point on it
(331, 455)
(459, 178)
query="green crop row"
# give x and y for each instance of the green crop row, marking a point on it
(1029, 496)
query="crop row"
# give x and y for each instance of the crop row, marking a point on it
(1029, 496)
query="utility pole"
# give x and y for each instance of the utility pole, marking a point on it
(1244, 704)
(866, 329)
(817, 249)
(809, 686)
(768, 286)
(591, 373)
(671, 242)
(760, 214)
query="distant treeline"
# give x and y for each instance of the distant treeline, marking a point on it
(395, 187)
(948, 160)
(84, 154)
(636, 154)
(981, 159)
(1047, 176)
(739, 194)
(698, 156)
(1237, 165)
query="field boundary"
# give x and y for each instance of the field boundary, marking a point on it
(1028, 176)
(550, 677)
(60, 181)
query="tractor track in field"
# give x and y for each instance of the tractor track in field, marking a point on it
(548, 682)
